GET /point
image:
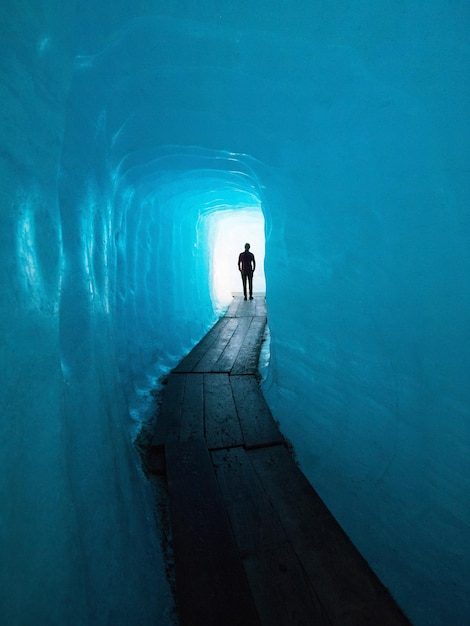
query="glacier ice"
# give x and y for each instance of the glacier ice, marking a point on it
(126, 133)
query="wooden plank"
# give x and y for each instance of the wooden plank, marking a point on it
(232, 309)
(215, 350)
(226, 360)
(168, 420)
(192, 415)
(211, 585)
(222, 427)
(282, 593)
(347, 587)
(261, 310)
(248, 356)
(199, 350)
(256, 421)
(247, 308)
(169, 415)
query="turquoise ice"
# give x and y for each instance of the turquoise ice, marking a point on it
(127, 128)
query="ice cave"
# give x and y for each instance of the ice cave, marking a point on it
(130, 133)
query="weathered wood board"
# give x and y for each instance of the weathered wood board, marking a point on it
(199, 350)
(256, 421)
(347, 587)
(248, 354)
(281, 590)
(211, 584)
(226, 360)
(222, 427)
(192, 414)
(209, 359)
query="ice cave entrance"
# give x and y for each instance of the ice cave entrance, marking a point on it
(229, 230)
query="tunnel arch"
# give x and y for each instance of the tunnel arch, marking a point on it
(352, 125)
(167, 207)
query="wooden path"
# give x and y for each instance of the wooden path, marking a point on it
(253, 542)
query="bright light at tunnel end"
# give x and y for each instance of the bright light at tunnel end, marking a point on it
(231, 229)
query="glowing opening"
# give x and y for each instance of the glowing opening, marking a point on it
(230, 229)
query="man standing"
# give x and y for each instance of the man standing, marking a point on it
(247, 265)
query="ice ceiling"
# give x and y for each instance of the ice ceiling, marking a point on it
(131, 133)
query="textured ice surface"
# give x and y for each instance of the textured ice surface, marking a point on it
(123, 130)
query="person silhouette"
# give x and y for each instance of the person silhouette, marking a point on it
(247, 265)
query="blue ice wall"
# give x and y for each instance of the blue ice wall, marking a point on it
(123, 128)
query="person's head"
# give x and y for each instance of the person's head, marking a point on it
(247, 246)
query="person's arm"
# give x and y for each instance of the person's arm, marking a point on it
(254, 263)
(240, 262)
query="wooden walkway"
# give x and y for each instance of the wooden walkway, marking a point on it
(253, 542)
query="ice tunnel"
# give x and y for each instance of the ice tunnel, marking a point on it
(129, 132)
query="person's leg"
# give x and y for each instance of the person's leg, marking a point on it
(250, 284)
(244, 283)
